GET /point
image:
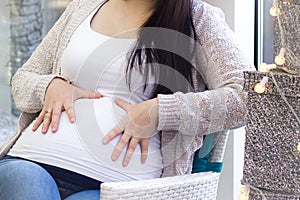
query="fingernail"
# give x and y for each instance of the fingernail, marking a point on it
(114, 158)
(105, 141)
(125, 163)
(72, 120)
(97, 95)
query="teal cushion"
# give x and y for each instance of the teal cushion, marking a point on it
(201, 163)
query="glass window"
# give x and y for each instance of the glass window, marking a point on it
(264, 32)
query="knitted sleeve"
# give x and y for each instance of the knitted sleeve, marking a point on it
(31, 80)
(222, 106)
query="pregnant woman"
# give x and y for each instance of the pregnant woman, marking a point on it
(116, 92)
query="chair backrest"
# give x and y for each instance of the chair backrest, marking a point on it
(210, 156)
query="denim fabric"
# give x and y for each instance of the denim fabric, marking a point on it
(26, 180)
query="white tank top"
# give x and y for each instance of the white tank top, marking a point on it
(94, 61)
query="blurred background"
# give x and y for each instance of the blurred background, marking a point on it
(23, 23)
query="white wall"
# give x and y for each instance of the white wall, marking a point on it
(240, 17)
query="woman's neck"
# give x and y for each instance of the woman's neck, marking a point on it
(134, 7)
(119, 16)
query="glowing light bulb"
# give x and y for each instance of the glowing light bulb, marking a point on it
(280, 59)
(244, 192)
(264, 67)
(288, 2)
(261, 86)
(275, 10)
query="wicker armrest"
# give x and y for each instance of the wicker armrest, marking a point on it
(193, 186)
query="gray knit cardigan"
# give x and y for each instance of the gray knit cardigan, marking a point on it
(183, 118)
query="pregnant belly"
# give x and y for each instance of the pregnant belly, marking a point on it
(94, 119)
(81, 142)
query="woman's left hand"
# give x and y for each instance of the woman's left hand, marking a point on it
(138, 125)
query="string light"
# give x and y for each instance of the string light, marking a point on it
(244, 192)
(275, 10)
(284, 54)
(287, 2)
(280, 59)
(285, 51)
(261, 86)
(264, 67)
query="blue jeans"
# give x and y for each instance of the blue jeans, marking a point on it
(25, 180)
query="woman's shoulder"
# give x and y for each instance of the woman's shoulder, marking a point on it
(204, 13)
(209, 22)
(76, 4)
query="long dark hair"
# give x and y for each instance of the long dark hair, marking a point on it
(174, 15)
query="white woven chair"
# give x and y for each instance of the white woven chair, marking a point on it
(200, 186)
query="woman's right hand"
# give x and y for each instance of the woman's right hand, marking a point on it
(59, 97)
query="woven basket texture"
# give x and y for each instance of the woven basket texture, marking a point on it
(201, 186)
